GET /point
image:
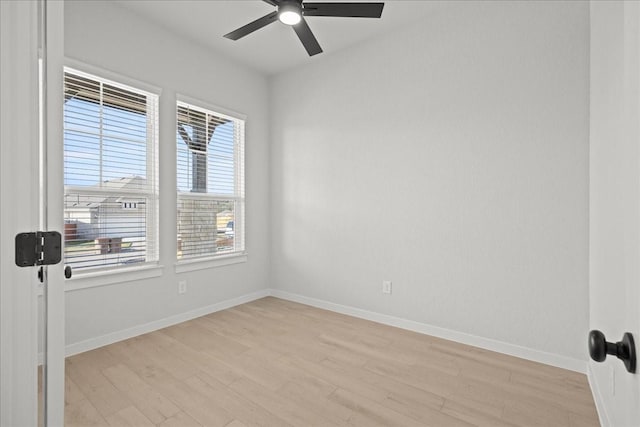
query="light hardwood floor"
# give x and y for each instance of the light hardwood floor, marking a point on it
(276, 363)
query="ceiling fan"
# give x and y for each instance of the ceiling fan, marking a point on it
(292, 12)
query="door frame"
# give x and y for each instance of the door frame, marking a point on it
(52, 216)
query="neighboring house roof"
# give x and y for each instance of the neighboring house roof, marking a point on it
(126, 184)
(129, 183)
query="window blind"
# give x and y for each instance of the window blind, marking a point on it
(110, 173)
(210, 179)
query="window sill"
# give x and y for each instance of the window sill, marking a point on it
(202, 264)
(110, 277)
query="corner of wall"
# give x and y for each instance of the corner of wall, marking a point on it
(527, 353)
(597, 397)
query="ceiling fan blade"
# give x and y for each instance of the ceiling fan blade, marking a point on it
(271, 2)
(347, 10)
(252, 26)
(307, 38)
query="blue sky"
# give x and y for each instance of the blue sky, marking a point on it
(120, 149)
(118, 144)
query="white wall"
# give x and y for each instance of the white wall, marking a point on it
(107, 36)
(450, 157)
(615, 201)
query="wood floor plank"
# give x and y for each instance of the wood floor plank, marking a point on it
(193, 335)
(289, 411)
(129, 416)
(472, 413)
(278, 363)
(141, 353)
(369, 412)
(95, 387)
(302, 396)
(396, 395)
(204, 410)
(180, 420)
(488, 399)
(83, 414)
(532, 413)
(149, 401)
(241, 407)
(259, 371)
(579, 420)
(336, 378)
(72, 392)
(426, 378)
(196, 359)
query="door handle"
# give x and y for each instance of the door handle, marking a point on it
(624, 350)
(67, 272)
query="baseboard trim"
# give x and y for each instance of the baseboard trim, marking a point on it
(124, 334)
(423, 328)
(597, 398)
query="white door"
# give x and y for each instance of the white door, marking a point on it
(615, 202)
(22, 204)
(18, 210)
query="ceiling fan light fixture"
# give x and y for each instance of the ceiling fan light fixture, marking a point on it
(290, 13)
(294, 13)
(289, 17)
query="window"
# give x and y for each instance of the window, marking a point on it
(210, 177)
(110, 173)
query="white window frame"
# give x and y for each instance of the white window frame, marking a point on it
(224, 258)
(101, 276)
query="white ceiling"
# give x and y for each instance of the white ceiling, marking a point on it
(274, 48)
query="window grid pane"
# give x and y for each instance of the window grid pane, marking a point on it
(210, 180)
(110, 173)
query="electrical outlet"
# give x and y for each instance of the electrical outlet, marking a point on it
(386, 287)
(182, 287)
